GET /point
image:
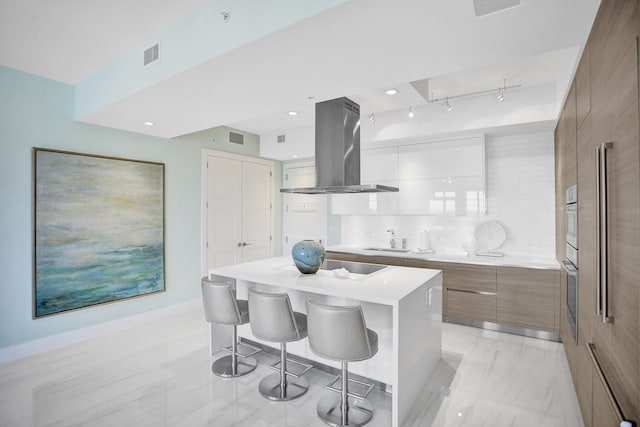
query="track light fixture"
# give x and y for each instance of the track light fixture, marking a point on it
(372, 118)
(446, 105)
(411, 113)
(499, 94)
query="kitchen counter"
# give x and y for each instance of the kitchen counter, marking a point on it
(504, 261)
(403, 305)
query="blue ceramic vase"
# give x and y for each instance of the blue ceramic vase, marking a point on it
(308, 255)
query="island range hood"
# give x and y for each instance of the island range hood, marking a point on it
(338, 151)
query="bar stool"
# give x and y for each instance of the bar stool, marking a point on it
(221, 307)
(273, 319)
(339, 333)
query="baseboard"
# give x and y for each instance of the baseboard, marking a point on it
(531, 333)
(52, 342)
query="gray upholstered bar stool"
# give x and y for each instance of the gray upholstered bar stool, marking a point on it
(273, 319)
(339, 333)
(221, 307)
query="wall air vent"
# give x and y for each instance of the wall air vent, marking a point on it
(281, 139)
(152, 54)
(236, 138)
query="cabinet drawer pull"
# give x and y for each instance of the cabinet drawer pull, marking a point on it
(612, 399)
(473, 292)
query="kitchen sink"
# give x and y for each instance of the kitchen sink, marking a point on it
(387, 250)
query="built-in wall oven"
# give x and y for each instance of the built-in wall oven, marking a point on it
(570, 264)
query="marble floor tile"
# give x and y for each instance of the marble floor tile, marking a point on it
(159, 374)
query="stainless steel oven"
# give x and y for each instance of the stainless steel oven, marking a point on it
(570, 265)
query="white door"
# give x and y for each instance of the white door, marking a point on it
(256, 211)
(238, 211)
(304, 215)
(224, 211)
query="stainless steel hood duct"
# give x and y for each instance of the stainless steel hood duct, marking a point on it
(338, 151)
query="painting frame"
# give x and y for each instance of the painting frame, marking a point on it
(118, 253)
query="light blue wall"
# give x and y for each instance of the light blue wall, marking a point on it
(36, 112)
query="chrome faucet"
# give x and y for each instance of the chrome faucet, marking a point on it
(392, 241)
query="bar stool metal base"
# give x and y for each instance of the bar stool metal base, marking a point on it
(360, 411)
(271, 389)
(223, 367)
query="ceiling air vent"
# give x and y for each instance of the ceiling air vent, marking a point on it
(152, 54)
(281, 139)
(236, 138)
(485, 7)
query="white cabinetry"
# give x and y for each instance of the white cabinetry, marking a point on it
(443, 178)
(434, 178)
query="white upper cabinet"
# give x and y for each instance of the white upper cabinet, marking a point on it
(463, 157)
(434, 178)
(443, 178)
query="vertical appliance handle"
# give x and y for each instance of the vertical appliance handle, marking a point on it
(604, 232)
(598, 237)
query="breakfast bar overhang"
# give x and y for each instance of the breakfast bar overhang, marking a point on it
(402, 304)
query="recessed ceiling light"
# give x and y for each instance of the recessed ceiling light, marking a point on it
(391, 91)
(295, 156)
(292, 113)
(148, 123)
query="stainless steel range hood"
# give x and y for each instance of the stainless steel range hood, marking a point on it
(338, 151)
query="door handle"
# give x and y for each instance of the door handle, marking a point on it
(602, 233)
(246, 244)
(239, 244)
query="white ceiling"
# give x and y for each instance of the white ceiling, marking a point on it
(70, 40)
(356, 49)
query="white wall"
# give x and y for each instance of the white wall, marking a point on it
(520, 191)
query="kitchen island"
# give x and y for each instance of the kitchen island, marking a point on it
(402, 304)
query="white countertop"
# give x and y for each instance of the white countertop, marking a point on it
(386, 286)
(504, 261)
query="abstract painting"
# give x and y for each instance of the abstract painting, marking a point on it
(98, 230)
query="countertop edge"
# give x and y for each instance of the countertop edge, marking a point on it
(507, 261)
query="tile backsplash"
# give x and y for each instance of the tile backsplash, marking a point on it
(520, 196)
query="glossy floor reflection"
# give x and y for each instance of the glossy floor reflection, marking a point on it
(159, 374)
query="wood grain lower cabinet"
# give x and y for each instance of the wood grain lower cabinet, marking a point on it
(522, 297)
(526, 298)
(602, 413)
(470, 291)
(583, 381)
(472, 306)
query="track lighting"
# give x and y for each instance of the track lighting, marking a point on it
(372, 118)
(411, 114)
(500, 93)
